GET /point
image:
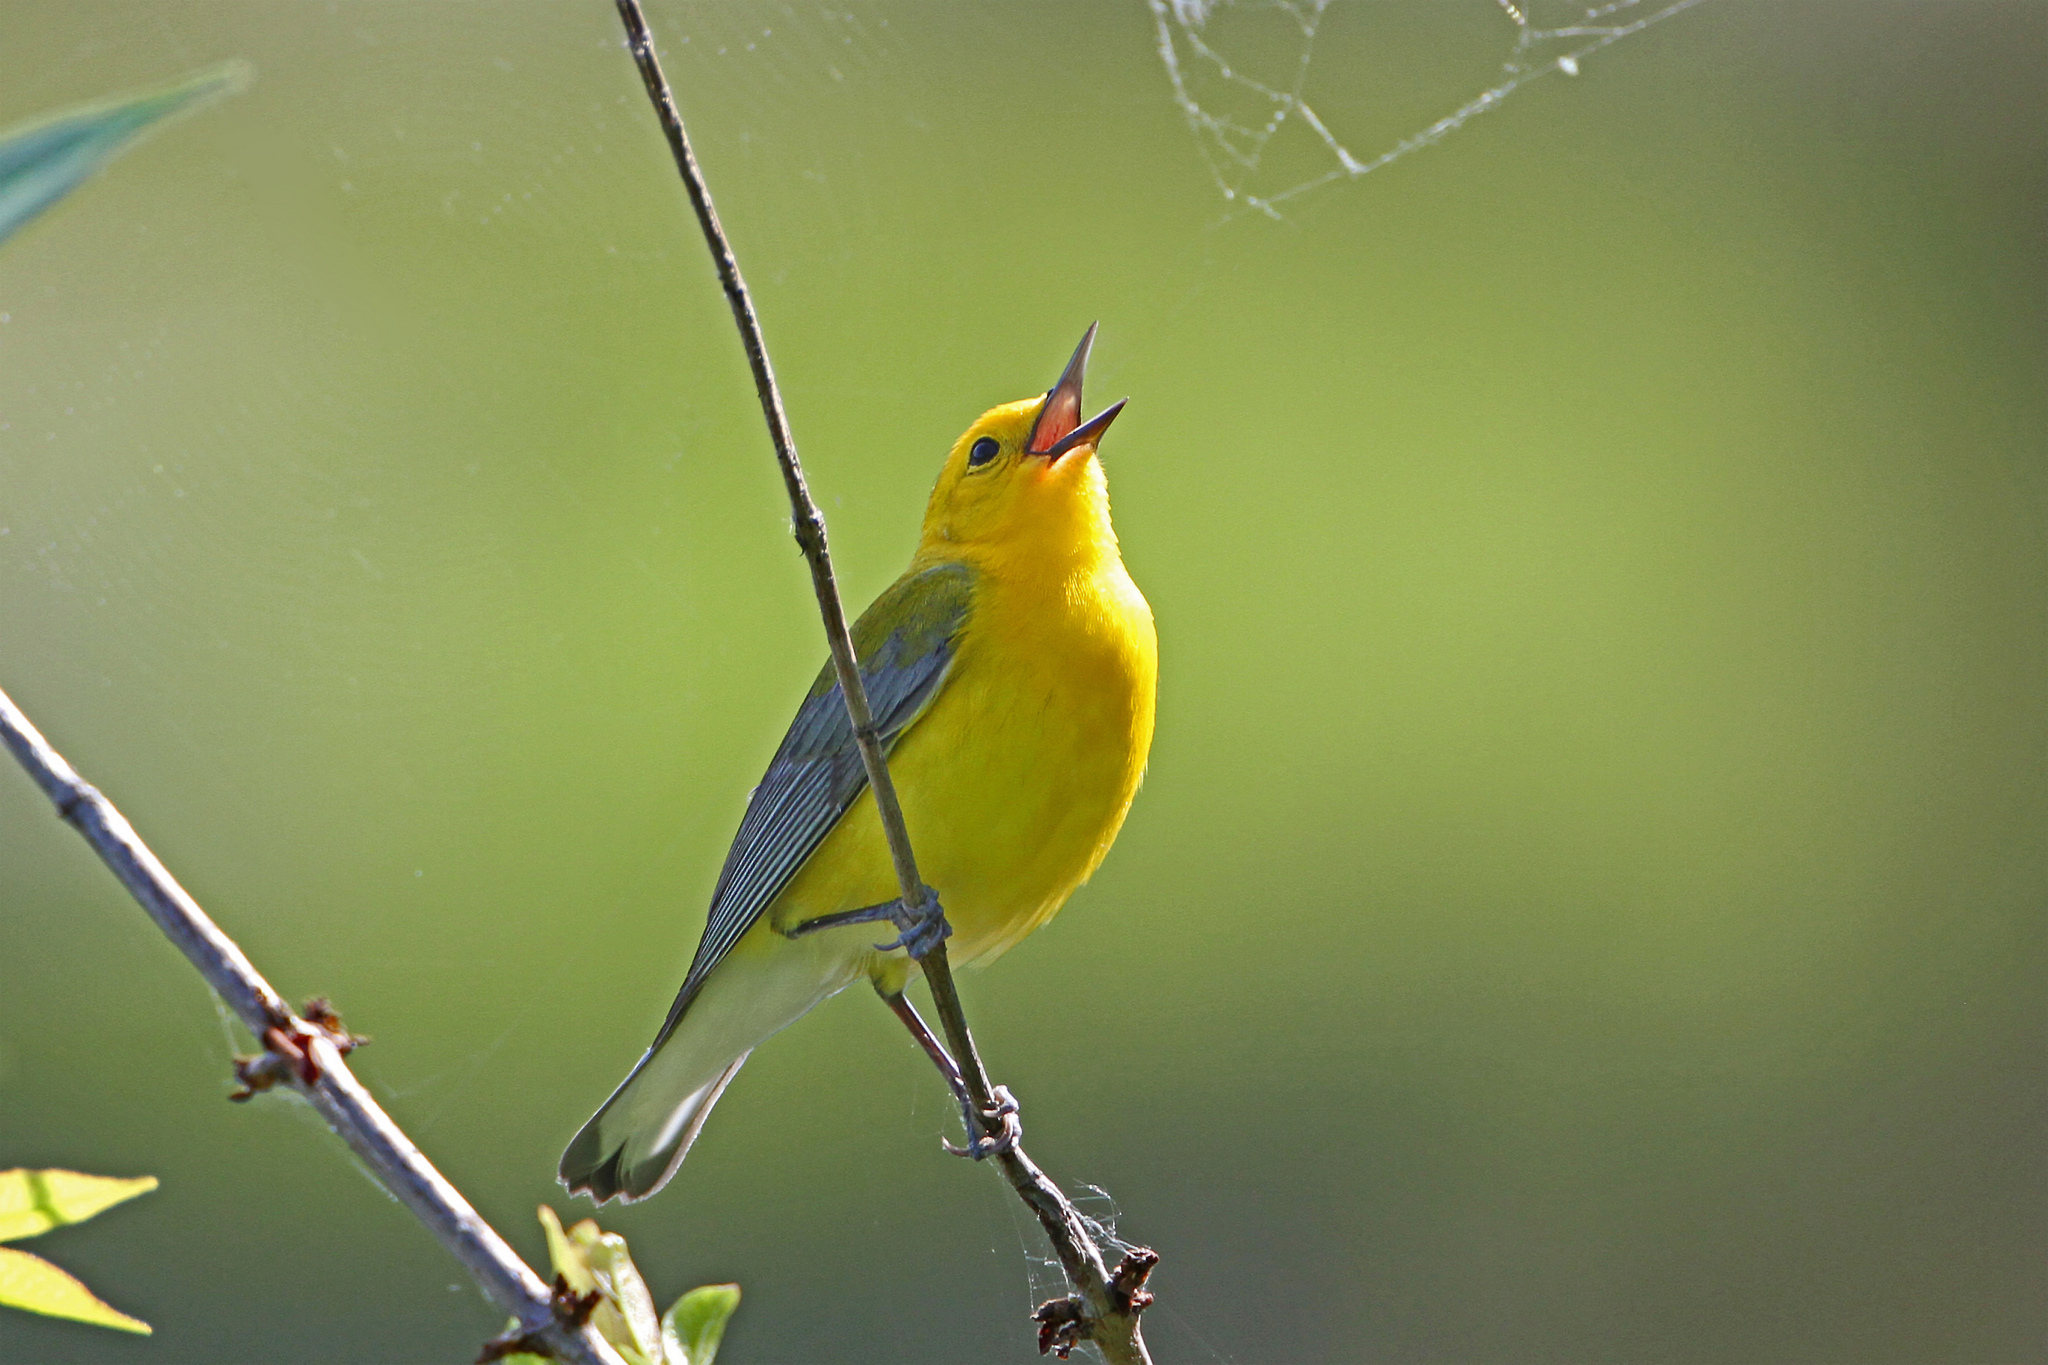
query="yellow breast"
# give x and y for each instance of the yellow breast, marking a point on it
(1015, 781)
(1020, 777)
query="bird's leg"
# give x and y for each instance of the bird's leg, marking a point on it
(867, 914)
(919, 930)
(1003, 1112)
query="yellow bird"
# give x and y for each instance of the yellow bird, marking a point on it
(1012, 671)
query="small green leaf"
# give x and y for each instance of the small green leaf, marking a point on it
(591, 1258)
(43, 161)
(519, 1357)
(565, 1255)
(33, 1202)
(693, 1328)
(33, 1283)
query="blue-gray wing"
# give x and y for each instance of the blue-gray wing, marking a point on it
(905, 643)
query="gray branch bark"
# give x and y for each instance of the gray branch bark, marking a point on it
(333, 1089)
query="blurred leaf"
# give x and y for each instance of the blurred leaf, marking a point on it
(520, 1357)
(32, 1283)
(43, 161)
(33, 1202)
(567, 1259)
(591, 1258)
(692, 1329)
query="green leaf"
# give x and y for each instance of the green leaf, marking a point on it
(693, 1328)
(566, 1257)
(33, 1202)
(33, 1283)
(42, 161)
(591, 1258)
(519, 1357)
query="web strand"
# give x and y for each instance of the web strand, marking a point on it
(1234, 147)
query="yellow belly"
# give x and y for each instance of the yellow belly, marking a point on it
(1015, 781)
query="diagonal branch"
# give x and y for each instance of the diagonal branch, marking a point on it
(1108, 1304)
(304, 1052)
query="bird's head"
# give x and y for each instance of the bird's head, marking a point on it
(1025, 480)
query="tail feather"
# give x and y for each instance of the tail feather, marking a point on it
(610, 1157)
(634, 1143)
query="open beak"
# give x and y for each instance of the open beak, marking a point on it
(1058, 427)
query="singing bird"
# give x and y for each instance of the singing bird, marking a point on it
(1011, 670)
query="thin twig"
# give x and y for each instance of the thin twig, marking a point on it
(314, 1049)
(1111, 1319)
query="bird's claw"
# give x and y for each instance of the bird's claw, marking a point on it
(921, 928)
(979, 1145)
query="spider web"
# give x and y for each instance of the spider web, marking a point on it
(1235, 116)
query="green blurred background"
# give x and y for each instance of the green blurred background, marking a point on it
(1587, 902)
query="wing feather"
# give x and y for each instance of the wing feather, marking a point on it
(905, 644)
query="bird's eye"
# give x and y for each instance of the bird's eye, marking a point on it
(984, 450)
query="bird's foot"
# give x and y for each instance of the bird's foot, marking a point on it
(918, 931)
(979, 1144)
(919, 928)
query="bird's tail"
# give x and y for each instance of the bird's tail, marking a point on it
(635, 1142)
